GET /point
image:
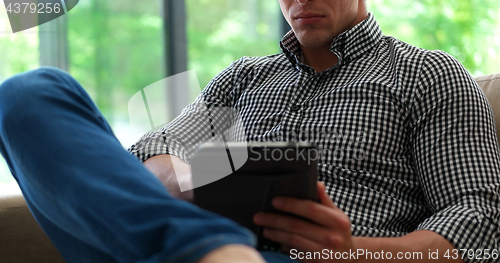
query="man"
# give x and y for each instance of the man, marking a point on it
(411, 152)
(97, 204)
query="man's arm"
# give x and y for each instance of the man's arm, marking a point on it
(209, 115)
(456, 156)
(172, 171)
(329, 228)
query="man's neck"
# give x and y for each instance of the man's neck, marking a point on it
(320, 59)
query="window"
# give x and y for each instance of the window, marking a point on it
(221, 31)
(114, 48)
(467, 29)
(18, 53)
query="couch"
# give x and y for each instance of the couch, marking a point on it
(23, 241)
(21, 238)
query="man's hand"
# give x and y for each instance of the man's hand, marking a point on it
(328, 228)
(162, 166)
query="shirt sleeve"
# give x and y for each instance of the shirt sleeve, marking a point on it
(456, 155)
(210, 114)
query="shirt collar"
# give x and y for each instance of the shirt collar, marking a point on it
(348, 46)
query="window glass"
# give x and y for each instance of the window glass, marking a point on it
(18, 53)
(115, 50)
(116, 46)
(467, 29)
(221, 31)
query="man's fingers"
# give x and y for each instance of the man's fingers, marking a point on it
(323, 196)
(324, 215)
(291, 240)
(299, 227)
(286, 249)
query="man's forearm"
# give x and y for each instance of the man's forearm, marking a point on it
(171, 171)
(418, 246)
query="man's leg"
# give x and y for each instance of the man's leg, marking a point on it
(95, 201)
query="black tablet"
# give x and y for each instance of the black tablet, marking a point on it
(238, 180)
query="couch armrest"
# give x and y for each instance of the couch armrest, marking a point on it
(22, 240)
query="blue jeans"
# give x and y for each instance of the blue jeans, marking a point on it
(95, 201)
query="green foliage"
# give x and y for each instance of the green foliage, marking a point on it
(467, 29)
(116, 46)
(221, 31)
(115, 50)
(18, 52)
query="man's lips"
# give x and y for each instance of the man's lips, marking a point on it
(308, 18)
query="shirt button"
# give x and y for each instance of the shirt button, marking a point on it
(295, 107)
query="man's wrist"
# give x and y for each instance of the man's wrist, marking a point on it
(172, 172)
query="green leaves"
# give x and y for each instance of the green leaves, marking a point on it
(467, 29)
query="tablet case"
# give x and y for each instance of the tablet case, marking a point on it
(271, 170)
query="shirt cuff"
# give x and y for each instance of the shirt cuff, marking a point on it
(157, 143)
(466, 229)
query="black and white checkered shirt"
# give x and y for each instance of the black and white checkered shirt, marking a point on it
(408, 137)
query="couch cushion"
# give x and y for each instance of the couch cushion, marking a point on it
(490, 84)
(22, 240)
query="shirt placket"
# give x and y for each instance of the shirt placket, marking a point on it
(292, 119)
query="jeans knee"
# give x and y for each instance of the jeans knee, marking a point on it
(24, 90)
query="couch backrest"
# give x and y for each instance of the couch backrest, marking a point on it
(490, 84)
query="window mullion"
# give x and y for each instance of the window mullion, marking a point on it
(53, 44)
(174, 15)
